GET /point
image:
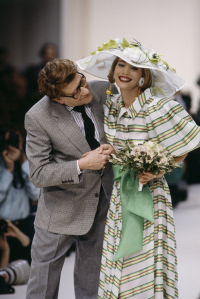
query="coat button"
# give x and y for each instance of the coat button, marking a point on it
(96, 195)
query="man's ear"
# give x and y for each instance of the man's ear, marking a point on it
(59, 100)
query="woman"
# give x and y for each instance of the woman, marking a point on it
(141, 112)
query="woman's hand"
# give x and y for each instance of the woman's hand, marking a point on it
(148, 176)
(105, 149)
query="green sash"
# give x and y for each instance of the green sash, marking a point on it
(136, 205)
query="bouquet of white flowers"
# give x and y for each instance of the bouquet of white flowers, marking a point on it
(143, 157)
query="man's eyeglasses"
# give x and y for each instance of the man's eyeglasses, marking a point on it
(76, 92)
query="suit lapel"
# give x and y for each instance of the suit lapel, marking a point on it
(98, 112)
(68, 126)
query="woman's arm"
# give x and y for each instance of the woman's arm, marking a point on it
(180, 158)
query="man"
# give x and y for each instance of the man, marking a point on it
(75, 190)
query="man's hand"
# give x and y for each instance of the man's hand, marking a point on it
(93, 160)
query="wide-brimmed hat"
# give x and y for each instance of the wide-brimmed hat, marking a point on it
(165, 80)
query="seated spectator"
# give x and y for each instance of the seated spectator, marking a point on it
(16, 190)
(6, 85)
(14, 99)
(48, 52)
(6, 71)
(14, 245)
(15, 257)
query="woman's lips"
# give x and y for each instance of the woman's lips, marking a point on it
(124, 79)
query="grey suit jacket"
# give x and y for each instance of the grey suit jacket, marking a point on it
(68, 201)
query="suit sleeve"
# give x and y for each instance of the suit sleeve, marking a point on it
(98, 90)
(44, 170)
(31, 190)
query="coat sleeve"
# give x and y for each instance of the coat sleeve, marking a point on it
(99, 88)
(44, 171)
(171, 126)
(31, 190)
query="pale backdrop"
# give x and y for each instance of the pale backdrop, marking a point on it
(170, 27)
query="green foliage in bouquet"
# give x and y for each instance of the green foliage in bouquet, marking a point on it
(143, 157)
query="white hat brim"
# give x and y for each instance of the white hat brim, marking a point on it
(99, 66)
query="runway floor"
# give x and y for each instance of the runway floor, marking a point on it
(187, 221)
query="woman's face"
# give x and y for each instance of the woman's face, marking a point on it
(126, 75)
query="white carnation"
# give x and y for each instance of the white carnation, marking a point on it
(118, 41)
(163, 160)
(153, 55)
(135, 54)
(150, 144)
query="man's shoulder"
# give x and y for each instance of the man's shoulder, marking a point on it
(98, 89)
(40, 106)
(96, 83)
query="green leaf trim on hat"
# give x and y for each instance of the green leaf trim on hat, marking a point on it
(156, 90)
(125, 44)
(112, 43)
(106, 46)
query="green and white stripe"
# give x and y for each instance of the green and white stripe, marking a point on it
(150, 273)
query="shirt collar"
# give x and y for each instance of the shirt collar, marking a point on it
(70, 108)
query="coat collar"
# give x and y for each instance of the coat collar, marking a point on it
(69, 127)
(137, 105)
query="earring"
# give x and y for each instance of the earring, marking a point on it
(141, 81)
(108, 92)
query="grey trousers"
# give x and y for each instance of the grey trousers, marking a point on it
(48, 255)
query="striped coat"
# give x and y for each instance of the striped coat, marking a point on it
(150, 273)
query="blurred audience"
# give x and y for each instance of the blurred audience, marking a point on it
(13, 92)
(17, 193)
(19, 90)
(48, 52)
(6, 86)
(15, 257)
(6, 71)
(14, 244)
